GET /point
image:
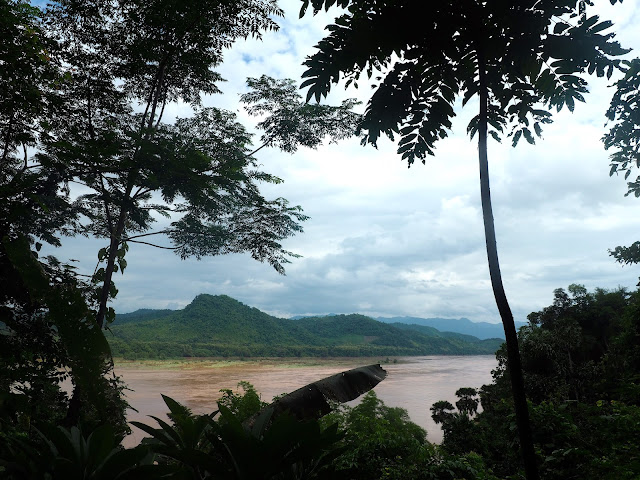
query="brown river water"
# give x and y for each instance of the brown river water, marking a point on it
(413, 383)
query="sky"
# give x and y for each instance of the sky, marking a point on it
(387, 240)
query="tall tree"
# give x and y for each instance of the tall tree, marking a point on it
(46, 324)
(129, 59)
(86, 150)
(519, 59)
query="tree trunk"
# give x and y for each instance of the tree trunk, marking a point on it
(513, 353)
(114, 244)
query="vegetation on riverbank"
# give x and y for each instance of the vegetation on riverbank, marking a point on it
(581, 359)
(280, 362)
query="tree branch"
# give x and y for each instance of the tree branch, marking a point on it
(153, 245)
(132, 239)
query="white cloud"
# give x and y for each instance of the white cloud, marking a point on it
(387, 240)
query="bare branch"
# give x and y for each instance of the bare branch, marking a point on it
(131, 239)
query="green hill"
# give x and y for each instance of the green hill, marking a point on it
(222, 326)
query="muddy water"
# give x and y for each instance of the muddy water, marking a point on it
(413, 383)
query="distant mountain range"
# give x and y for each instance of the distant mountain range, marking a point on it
(482, 330)
(221, 326)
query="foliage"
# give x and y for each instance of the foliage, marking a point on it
(380, 442)
(581, 361)
(31, 208)
(377, 436)
(568, 345)
(83, 90)
(242, 406)
(52, 337)
(200, 172)
(531, 56)
(624, 136)
(460, 433)
(370, 441)
(253, 440)
(62, 453)
(196, 446)
(290, 122)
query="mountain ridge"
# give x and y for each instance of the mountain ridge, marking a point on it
(481, 330)
(222, 326)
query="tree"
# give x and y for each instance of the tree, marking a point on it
(199, 171)
(44, 307)
(460, 435)
(84, 88)
(520, 59)
(580, 361)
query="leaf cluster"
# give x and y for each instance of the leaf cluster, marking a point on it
(624, 134)
(532, 54)
(581, 363)
(272, 447)
(68, 453)
(291, 123)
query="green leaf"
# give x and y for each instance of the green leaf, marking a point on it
(590, 22)
(538, 129)
(613, 169)
(100, 443)
(122, 264)
(516, 138)
(527, 135)
(570, 103)
(171, 432)
(495, 136)
(157, 433)
(174, 407)
(602, 26)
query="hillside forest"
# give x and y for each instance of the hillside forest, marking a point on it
(88, 150)
(219, 326)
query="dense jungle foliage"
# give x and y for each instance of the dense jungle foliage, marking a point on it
(581, 361)
(581, 358)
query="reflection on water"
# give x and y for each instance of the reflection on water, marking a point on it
(414, 383)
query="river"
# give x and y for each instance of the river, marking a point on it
(413, 383)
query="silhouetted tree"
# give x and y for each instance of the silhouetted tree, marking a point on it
(520, 59)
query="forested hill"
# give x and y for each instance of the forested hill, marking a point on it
(221, 326)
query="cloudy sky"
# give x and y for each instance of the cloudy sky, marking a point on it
(385, 240)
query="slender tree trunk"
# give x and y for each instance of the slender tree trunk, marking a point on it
(114, 244)
(513, 353)
(76, 404)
